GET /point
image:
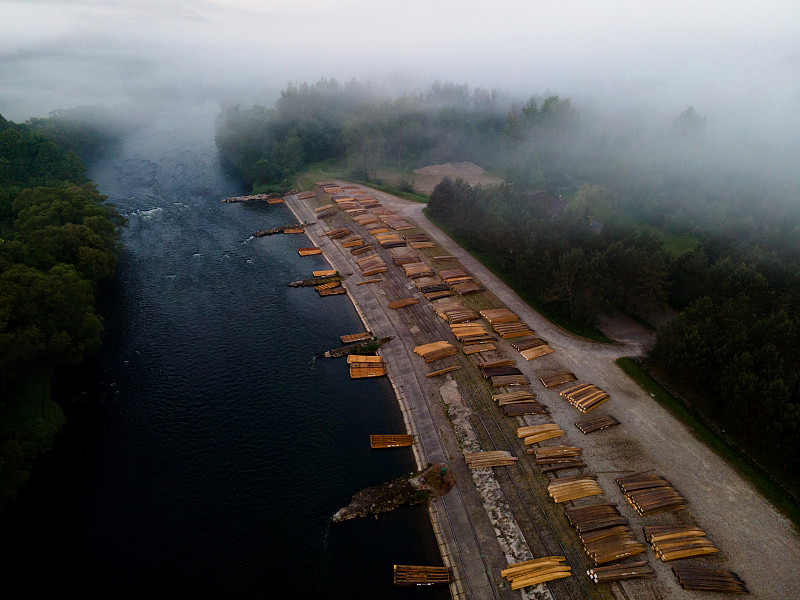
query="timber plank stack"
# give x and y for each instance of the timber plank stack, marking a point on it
(468, 349)
(594, 517)
(421, 575)
(324, 273)
(536, 571)
(596, 424)
(679, 541)
(466, 288)
(397, 440)
(709, 580)
(512, 397)
(435, 351)
(499, 315)
(564, 489)
(492, 458)
(417, 269)
(558, 458)
(365, 366)
(533, 434)
(584, 396)
(531, 348)
(557, 379)
(630, 570)
(372, 264)
(512, 330)
(419, 240)
(650, 494)
(470, 332)
(507, 380)
(457, 315)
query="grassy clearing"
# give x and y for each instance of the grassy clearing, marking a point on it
(754, 475)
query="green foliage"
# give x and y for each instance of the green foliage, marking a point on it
(59, 244)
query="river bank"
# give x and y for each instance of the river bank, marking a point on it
(736, 517)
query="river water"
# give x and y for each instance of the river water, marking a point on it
(206, 449)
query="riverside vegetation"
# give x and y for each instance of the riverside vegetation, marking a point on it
(665, 226)
(59, 244)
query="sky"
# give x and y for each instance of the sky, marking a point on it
(61, 53)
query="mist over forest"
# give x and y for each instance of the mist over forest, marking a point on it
(648, 154)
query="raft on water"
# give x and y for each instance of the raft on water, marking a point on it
(309, 251)
(299, 228)
(359, 348)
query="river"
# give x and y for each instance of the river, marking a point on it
(206, 450)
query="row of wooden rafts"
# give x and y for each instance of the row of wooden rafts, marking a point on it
(565, 489)
(435, 351)
(557, 379)
(536, 571)
(709, 580)
(650, 494)
(629, 570)
(499, 315)
(533, 434)
(584, 396)
(492, 458)
(678, 541)
(558, 458)
(596, 424)
(365, 366)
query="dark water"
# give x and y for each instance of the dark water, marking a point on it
(206, 451)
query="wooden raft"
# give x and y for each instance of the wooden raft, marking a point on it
(630, 570)
(365, 366)
(390, 441)
(324, 273)
(436, 351)
(650, 494)
(536, 571)
(403, 303)
(309, 251)
(420, 575)
(355, 337)
(679, 541)
(492, 458)
(596, 424)
(710, 580)
(533, 434)
(571, 488)
(557, 379)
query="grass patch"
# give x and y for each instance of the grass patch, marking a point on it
(702, 432)
(583, 331)
(396, 191)
(320, 171)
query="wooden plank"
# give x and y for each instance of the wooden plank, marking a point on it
(368, 281)
(443, 371)
(324, 273)
(403, 303)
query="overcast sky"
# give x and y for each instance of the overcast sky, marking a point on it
(60, 53)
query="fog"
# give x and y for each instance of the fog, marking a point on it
(638, 65)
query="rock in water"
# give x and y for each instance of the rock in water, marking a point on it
(417, 488)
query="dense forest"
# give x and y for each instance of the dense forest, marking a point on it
(58, 245)
(659, 220)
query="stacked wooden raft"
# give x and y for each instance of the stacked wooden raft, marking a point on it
(396, 223)
(419, 240)
(629, 570)
(565, 489)
(352, 338)
(403, 302)
(557, 379)
(420, 575)
(512, 330)
(533, 434)
(416, 269)
(679, 541)
(460, 281)
(309, 251)
(432, 288)
(596, 424)
(650, 494)
(709, 580)
(397, 440)
(499, 315)
(606, 538)
(435, 351)
(332, 288)
(455, 314)
(470, 332)
(372, 264)
(558, 458)
(390, 240)
(531, 348)
(536, 571)
(584, 396)
(305, 195)
(492, 458)
(514, 404)
(365, 366)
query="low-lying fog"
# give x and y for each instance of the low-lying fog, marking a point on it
(737, 63)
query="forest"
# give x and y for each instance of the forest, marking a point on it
(59, 245)
(665, 220)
